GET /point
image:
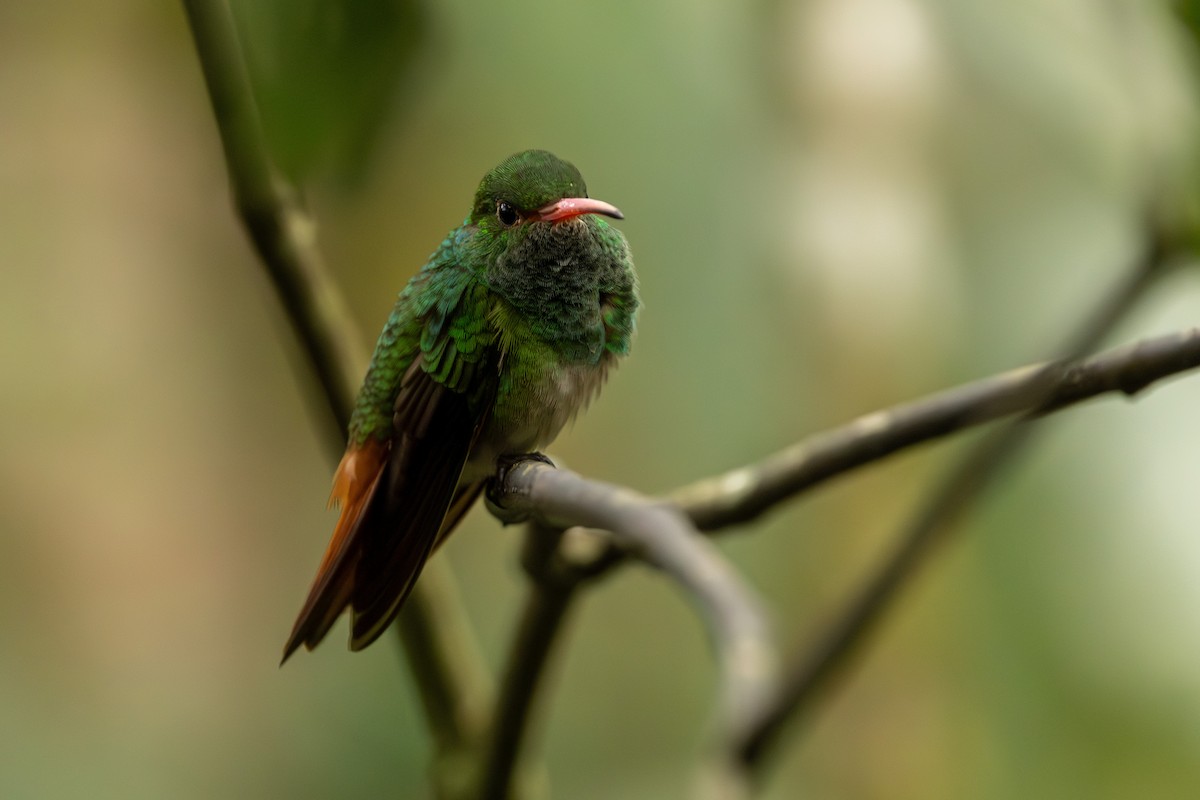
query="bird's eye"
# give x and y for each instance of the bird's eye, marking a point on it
(507, 215)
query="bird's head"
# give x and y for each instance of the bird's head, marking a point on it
(542, 244)
(529, 193)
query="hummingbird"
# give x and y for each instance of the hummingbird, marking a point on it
(504, 335)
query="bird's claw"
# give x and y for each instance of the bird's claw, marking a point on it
(497, 490)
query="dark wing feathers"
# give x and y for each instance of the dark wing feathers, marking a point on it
(434, 429)
(464, 497)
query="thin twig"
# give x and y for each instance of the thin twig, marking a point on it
(742, 494)
(658, 533)
(440, 645)
(808, 675)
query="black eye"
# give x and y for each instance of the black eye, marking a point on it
(507, 215)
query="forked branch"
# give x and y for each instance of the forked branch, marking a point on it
(657, 533)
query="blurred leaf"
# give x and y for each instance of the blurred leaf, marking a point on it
(1178, 214)
(327, 75)
(1189, 13)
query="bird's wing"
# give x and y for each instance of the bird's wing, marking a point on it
(435, 428)
(394, 493)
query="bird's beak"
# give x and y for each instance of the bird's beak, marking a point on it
(574, 206)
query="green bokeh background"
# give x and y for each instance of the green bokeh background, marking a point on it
(834, 205)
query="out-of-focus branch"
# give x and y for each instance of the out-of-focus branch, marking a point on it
(742, 494)
(550, 599)
(454, 686)
(282, 231)
(439, 644)
(809, 674)
(659, 534)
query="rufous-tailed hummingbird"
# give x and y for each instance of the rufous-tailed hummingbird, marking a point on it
(507, 331)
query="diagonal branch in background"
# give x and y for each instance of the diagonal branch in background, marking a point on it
(809, 674)
(283, 233)
(659, 534)
(440, 645)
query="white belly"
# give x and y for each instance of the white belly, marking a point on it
(551, 402)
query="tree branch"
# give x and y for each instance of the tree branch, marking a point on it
(808, 675)
(658, 533)
(439, 643)
(742, 494)
(550, 599)
(283, 233)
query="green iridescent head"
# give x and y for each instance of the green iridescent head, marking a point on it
(527, 181)
(528, 187)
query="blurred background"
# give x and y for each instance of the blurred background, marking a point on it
(834, 205)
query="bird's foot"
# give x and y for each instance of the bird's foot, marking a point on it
(498, 490)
